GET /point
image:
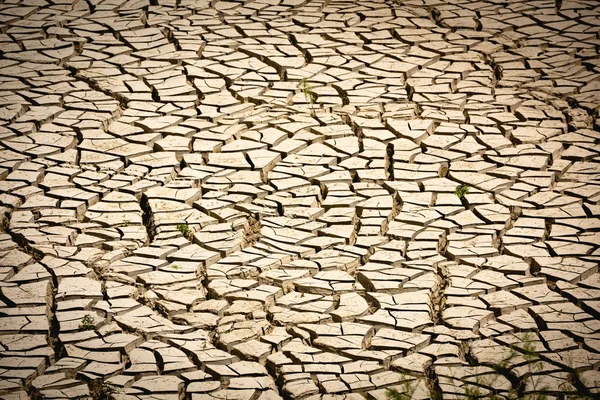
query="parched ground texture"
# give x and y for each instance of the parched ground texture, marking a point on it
(300, 199)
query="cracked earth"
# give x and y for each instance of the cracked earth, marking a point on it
(299, 199)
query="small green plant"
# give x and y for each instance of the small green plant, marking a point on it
(4, 224)
(528, 351)
(462, 190)
(252, 231)
(309, 95)
(533, 362)
(185, 231)
(87, 323)
(474, 392)
(126, 222)
(103, 391)
(409, 386)
(175, 266)
(482, 387)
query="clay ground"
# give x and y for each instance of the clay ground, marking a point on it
(299, 199)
